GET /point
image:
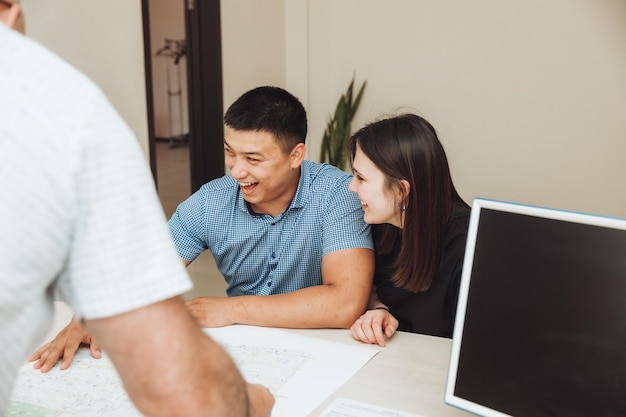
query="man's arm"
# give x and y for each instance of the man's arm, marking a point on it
(169, 367)
(65, 345)
(347, 281)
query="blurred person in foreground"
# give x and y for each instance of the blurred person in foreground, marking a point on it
(75, 190)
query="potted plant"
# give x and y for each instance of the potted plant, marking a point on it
(338, 129)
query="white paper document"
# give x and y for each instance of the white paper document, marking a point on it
(300, 371)
(343, 407)
(90, 387)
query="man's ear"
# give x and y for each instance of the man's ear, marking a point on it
(297, 155)
(11, 16)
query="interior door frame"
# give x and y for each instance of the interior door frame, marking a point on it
(204, 78)
(147, 58)
(204, 90)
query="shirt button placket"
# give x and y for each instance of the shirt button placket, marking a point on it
(273, 256)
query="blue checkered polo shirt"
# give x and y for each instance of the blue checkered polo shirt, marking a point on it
(260, 255)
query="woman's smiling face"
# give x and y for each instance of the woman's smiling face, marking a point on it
(380, 205)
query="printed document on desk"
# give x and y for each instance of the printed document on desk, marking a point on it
(90, 387)
(301, 372)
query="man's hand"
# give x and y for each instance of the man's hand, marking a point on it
(261, 400)
(210, 311)
(64, 345)
(373, 326)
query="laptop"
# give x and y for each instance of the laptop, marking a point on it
(541, 320)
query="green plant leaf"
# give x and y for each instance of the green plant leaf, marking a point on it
(334, 148)
(357, 101)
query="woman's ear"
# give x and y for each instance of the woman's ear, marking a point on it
(403, 194)
(405, 189)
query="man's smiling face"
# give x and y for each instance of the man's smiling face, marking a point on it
(268, 177)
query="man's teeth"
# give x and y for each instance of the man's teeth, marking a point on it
(245, 184)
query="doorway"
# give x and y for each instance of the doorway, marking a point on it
(182, 54)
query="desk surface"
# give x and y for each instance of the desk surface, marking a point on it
(409, 374)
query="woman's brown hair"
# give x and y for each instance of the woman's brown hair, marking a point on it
(406, 147)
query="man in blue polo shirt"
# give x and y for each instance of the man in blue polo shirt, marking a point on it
(277, 225)
(287, 234)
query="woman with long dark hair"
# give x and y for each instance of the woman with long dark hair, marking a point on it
(420, 222)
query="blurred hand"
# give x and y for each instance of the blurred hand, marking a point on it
(64, 345)
(261, 400)
(373, 326)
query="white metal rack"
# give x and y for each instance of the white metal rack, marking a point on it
(174, 50)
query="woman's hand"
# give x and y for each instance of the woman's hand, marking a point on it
(374, 326)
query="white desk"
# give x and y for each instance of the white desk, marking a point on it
(409, 374)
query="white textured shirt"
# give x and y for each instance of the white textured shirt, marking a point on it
(79, 215)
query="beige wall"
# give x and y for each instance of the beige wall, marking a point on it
(529, 98)
(253, 45)
(105, 41)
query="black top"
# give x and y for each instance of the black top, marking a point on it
(431, 312)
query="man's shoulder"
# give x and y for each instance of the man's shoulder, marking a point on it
(29, 57)
(209, 200)
(324, 172)
(220, 184)
(219, 192)
(327, 185)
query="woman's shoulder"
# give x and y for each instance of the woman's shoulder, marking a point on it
(458, 224)
(460, 215)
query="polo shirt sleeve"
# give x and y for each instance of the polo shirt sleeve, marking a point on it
(343, 226)
(121, 255)
(187, 225)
